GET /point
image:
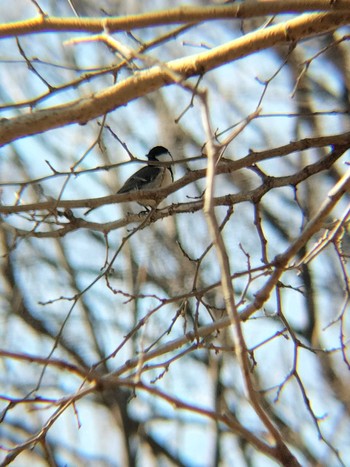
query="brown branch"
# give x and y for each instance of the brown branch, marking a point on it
(182, 14)
(144, 82)
(229, 421)
(225, 166)
(240, 347)
(90, 74)
(75, 223)
(56, 362)
(41, 434)
(283, 261)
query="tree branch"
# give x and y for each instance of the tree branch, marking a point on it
(147, 81)
(182, 14)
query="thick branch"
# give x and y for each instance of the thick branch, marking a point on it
(182, 14)
(142, 83)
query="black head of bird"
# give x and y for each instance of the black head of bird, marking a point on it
(152, 176)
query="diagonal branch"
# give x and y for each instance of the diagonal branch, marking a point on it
(283, 261)
(281, 452)
(142, 83)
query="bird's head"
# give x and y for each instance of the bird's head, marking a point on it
(158, 151)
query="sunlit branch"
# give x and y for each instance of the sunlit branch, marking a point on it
(103, 102)
(182, 14)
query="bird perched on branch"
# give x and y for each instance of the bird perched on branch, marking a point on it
(152, 176)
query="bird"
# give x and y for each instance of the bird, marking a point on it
(152, 176)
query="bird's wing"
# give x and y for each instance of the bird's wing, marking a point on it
(140, 179)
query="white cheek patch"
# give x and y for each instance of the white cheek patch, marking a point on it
(166, 157)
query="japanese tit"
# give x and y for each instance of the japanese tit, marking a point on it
(151, 177)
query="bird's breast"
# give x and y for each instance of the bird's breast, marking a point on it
(163, 179)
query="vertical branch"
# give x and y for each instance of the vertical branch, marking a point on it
(213, 153)
(260, 230)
